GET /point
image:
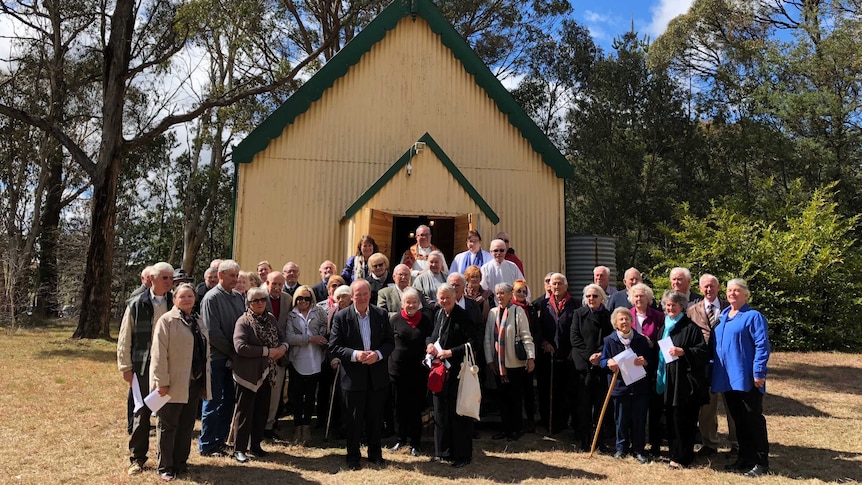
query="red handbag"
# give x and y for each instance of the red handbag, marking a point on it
(437, 376)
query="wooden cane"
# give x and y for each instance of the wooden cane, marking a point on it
(331, 401)
(604, 408)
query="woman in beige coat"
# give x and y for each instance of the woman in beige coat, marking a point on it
(506, 325)
(180, 368)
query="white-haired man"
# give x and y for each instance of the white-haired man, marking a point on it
(291, 277)
(499, 270)
(621, 298)
(602, 277)
(146, 282)
(421, 250)
(680, 281)
(327, 269)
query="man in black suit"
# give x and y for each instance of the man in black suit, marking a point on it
(327, 269)
(362, 338)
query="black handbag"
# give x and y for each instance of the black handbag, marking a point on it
(520, 349)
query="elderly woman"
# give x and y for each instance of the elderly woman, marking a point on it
(330, 303)
(357, 266)
(379, 277)
(521, 290)
(428, 281)
(453, 330)
(411, 329)
(649, 322)
(258, 345)
(741, 342)
(475, 292)
(179, 366)
(590, 325)
(631, 401)
(242, 283)
(306, 335)
(506, 325)
(683, 380)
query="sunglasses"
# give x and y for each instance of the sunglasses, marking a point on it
(521, 292)
(258, 300)
(592, 296)
(378, 265)
(302, 298)
(498, 250)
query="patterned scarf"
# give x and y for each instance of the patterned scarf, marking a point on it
(559, 305)
(661, 377)
(360, 268)
(500, 344)
(267, 333)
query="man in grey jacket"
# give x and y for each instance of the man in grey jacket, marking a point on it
(220, 309)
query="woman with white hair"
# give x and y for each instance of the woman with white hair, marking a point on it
(428, 281)
(590, 325)
(739, 371)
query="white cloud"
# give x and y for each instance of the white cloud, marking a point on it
(595, 17)
(664, 12)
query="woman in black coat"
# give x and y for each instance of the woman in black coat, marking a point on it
(453, 330)
(683, 381)
(411, 329)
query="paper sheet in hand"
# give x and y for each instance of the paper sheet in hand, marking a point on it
(155, 402)
(440, 349)
(665, 345)
(630, 372)
(136, 393)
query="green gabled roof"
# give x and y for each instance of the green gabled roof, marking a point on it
(338, 66)
(398, 165)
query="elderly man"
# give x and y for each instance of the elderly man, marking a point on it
(327, 269)
(705, 314)
(291, 277)
(362, 339)
(621, 298)
(542, 299)
(680, 281)
(554, 348)
(263, 270)
(428, 282)
(279, 304)
(510, 252)
(220, 309)
(210, 281)
(602, 277)
(499, 270)
(146, 282)
(421, 250)
(473, 256)
(133, 354)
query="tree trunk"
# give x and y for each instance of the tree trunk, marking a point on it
(49, 279)
(95, 318)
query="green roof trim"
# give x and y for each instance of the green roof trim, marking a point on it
(402, 162)
(338, 66)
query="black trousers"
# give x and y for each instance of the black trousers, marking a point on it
(139, 438)
(529, 390)
(453, 434)
(301, 393)
(564, 392)
(656, 411)
(591, 387)
(682, 428)
(174, 433)
(747, 411)
(409, 397)
(512, 400)
(363, 410)
(250, 414)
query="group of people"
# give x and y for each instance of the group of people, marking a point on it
(356, 348)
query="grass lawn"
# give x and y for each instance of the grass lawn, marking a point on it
(63, 420)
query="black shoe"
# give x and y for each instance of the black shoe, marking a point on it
(499, 436)
(414, 451)
(379, 461)
(259, 452)
(641, 458)
(706, 451)
(619, 455)
(460, 463)
(756, 471)
(354, 465)
(655, 451)
(240, 457)
(217, 453)
(398, 446)
(737, 466)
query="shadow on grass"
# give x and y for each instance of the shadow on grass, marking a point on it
(800, 463)
(777, 405)
(96, 355)
(827, 377)
(216, 473)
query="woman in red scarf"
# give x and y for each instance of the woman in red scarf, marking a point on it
(410, 327)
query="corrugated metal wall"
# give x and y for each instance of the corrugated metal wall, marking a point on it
(292, 196)
(583, 254)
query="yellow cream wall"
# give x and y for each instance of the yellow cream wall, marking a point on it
(291, 198)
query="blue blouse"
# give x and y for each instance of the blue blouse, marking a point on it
(741, 350)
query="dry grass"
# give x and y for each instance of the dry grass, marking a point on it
(62, 420)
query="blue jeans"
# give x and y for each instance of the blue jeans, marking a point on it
(217, 413)
(630, 414)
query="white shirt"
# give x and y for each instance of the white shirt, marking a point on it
(505, 272)
(306, 359)
(716, 308)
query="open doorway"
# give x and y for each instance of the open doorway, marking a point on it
(442, 235)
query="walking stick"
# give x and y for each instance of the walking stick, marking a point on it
(331, 402)
(551, 400)
(604, 408)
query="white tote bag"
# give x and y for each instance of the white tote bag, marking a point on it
(469, 393)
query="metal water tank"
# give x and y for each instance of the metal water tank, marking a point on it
(583, 253)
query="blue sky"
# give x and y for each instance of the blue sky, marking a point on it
(608, 19)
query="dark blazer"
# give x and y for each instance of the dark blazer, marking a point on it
(588, 333)
(640, 347)
(321, 293)
(345, 338)
(686, 376)
(697, 313)
(619, 299)
(556, 328)
(459, 330)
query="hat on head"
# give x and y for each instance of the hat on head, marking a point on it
(181, 275)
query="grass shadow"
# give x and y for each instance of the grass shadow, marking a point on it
(501, 469)
(777, 405)
(96, 355)
(800, 463)
(212, 473)
(827, 377)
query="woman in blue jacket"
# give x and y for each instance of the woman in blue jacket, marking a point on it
(739, 370)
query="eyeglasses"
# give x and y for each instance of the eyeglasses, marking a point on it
(258, 300)
(498, 250)
(378, 265)
(592, 296)
(302, 298)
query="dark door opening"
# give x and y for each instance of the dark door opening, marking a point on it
(442, 235)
